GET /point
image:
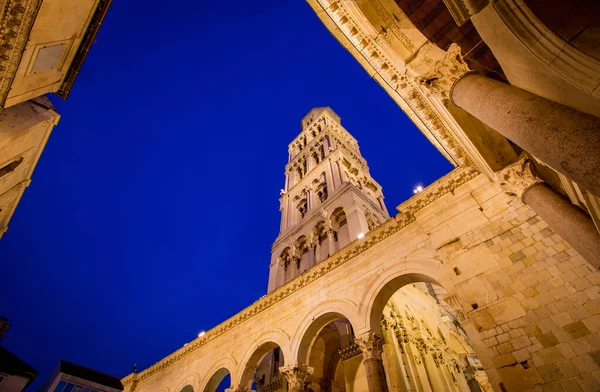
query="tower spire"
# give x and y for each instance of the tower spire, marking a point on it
(329, 198)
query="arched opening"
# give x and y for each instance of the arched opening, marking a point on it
(187, 388)
(424, 344)
(328, 348)
(219, 381)
(262, 369)
(322, 250)
(303, 255)
(341, 233)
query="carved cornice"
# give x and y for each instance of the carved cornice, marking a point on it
(371, 345)
(433, 192)
(378, 55)
(518, 177)
(439, 188)
(15, 25)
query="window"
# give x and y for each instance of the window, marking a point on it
(10, 167)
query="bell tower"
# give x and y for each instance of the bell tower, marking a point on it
(329, 199)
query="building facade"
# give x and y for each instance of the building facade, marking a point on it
(508, 243)
(43, 44)
(464, 277)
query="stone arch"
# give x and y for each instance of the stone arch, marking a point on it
(217, 373)
(189, 380)
(264, 343)
(394, 278)
(309, 328)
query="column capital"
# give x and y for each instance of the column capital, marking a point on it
(371, 345)
(518, 177)
(445, 73)
(296, 374)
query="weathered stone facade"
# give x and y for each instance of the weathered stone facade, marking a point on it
(524, 296)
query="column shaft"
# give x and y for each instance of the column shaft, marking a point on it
(375, 375)
(564, 138)
(568, 221)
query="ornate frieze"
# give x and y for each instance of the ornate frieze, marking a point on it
(349, 352)
(516, 178)
(15, 25)
(371, 345)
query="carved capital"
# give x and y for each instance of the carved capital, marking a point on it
(371, 345)
(296, 374)
(515, 179)
(446, 71)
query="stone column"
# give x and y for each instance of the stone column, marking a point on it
(371, 346)
(564, 138)
(434, 373)
(570, 222)
(296, 376)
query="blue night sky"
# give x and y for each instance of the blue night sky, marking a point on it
(154, 205)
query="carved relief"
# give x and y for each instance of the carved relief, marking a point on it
(445, 72)
(296, 374)
(371, 345)
(515, 179)
(15, 25)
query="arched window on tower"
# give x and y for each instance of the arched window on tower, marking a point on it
(341, 233)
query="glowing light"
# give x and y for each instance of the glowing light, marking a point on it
(201, 334)
(360, 235)
(185, 345)
(418, 188)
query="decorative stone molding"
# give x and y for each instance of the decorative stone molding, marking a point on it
(371, 345)
(433, 192)
(462, 10)
(516, 178)
(296, 374)
(349, 352)
(378, 55)
(448, 70)
(15, 25)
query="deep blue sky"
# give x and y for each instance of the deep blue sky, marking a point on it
(153, 208)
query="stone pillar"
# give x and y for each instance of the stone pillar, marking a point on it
(296, 376)
(357, 222)
(371, 346)
(567, 220)
(564, 138)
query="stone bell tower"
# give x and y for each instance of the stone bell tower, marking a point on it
(329, 198)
